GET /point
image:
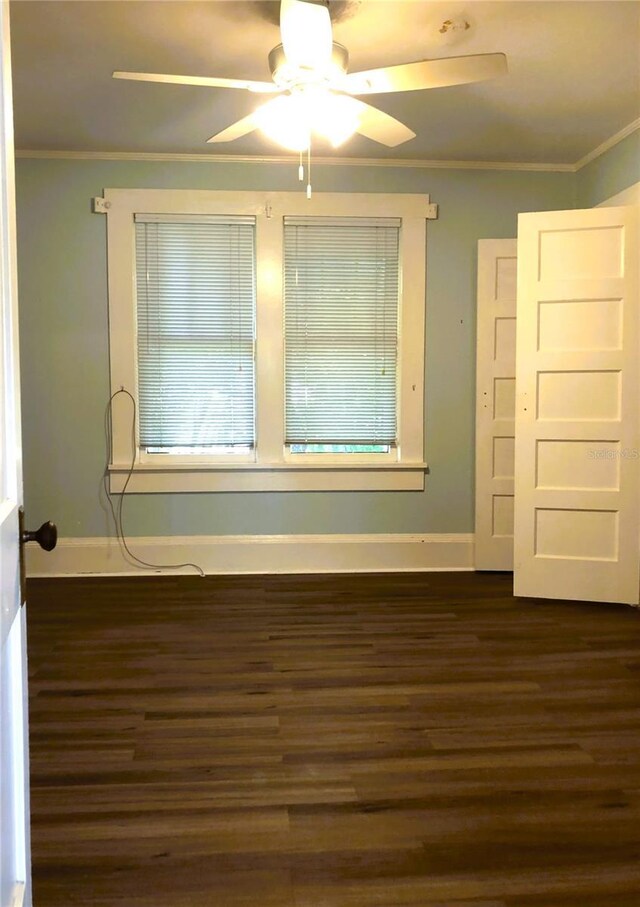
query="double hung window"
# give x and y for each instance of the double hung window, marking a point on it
(341, 293)
(271, 343)
(195, 305)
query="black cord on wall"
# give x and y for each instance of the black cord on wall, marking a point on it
(116, 510)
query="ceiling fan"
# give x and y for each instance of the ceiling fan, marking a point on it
(315, 93)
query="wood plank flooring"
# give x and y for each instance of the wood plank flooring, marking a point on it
(413, 740)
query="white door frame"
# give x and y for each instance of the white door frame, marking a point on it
(495, 403)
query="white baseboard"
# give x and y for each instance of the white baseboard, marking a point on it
(235, 554)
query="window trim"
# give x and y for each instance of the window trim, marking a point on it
(272, 467)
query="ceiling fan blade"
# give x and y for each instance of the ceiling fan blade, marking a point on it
(236, 130)
(380, 126)
(305, 29)
(205, 81)
(426, 74)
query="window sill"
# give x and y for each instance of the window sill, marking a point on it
(272, 477)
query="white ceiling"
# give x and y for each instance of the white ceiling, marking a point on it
(574, 75)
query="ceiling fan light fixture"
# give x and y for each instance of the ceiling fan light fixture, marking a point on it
(290, 119)
(334, 116)
(284, 121)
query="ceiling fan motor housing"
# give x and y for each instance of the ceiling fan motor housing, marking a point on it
(287, 76)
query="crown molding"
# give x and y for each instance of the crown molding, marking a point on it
(286, 159)
(411, 164)
(608, 143)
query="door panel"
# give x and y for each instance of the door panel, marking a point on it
(577, 443)
(495, 403)
(14, 794)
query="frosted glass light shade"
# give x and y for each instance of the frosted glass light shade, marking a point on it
(290, 119)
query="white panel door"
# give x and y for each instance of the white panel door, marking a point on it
(495, 403)
(14, 798)
(577, 443)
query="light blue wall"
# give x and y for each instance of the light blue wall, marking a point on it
(64, 345)
(615, 170)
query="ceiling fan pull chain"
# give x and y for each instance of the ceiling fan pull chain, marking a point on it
(309, 168)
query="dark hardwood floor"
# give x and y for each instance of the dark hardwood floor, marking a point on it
(331, 741)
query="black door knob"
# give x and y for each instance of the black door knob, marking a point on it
(46, 536)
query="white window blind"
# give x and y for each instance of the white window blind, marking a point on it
(196, 292)
(341, 279)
